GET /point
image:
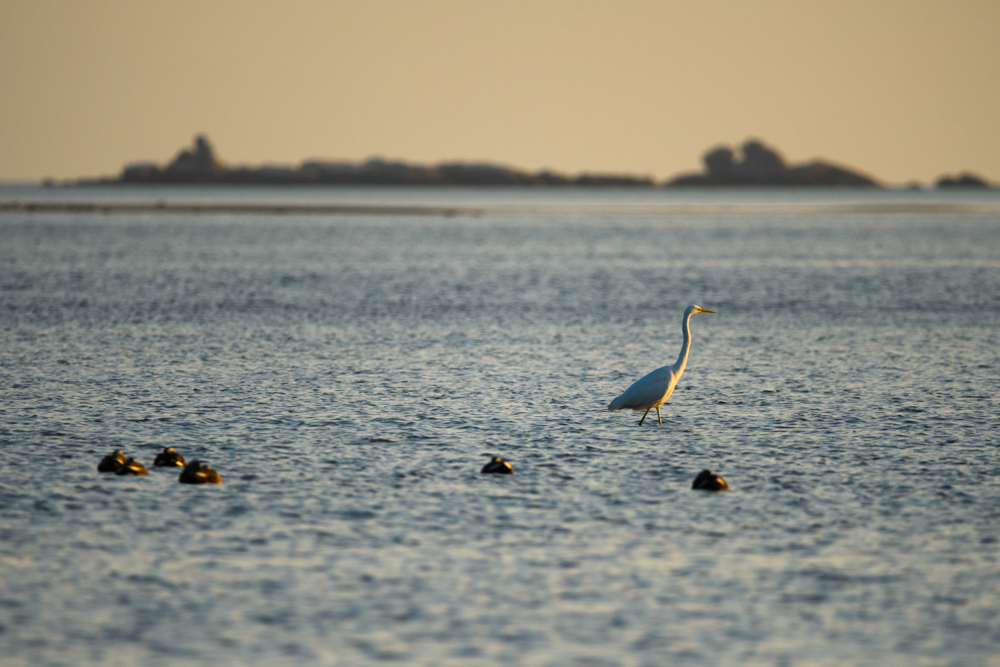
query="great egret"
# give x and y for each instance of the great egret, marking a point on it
(652, 390)
(169, 458)
(196, 472)
(707, 481)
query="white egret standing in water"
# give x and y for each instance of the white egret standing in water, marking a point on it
(652, 390)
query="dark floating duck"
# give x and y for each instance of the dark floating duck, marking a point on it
(499, 466)
(112, 461)
(706, 481)
(131, 467)
(196, 472)
(169, 458)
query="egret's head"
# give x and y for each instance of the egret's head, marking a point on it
(699, 309)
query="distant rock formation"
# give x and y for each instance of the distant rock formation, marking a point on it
(194, 165)
(963, 180)
(200, 160)
(753, 164)
(200, 165)
(760, 165)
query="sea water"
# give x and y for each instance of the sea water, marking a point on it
(348, 374)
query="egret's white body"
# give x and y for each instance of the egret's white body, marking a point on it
(652, 390)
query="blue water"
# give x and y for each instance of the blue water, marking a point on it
(348, 374)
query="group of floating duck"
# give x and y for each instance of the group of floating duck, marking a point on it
(705, 481)
(194, 472)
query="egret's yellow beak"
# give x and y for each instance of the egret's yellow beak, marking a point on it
(705, 310)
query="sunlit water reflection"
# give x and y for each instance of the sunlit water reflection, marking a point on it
(347, 374)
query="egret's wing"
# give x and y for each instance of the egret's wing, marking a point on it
(645, 392)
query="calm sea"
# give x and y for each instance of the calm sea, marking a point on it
(348, 373)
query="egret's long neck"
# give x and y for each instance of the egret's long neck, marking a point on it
(682, 358)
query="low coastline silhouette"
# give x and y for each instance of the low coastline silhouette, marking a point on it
(753, 164)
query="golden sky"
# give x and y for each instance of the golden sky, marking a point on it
(902, 90)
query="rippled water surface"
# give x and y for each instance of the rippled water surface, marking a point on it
(346, 375)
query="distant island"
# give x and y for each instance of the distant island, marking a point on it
(755, 164)
(199, 164)
(759, 165)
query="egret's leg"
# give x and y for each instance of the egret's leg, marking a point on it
(658, 414)
(644, 416)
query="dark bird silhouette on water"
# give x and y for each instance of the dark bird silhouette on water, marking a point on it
(169, 458)
(499, 466)
(196, 472)
(131, 467)
(112, 461)
(708, 481)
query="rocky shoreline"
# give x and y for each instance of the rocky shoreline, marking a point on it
(753, 164)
